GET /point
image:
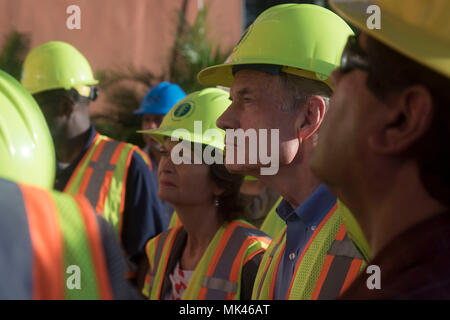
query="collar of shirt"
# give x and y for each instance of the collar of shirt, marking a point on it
(312, 211)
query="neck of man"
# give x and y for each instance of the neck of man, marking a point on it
(295, 181)
(69, 148)
(199, 235)
(388, 202)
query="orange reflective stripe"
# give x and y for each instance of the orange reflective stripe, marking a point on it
(323, 275)
(234, 273)
(326, 265)
(98, 151)
(145, 156)
(352, 274)
(122, 196)
(176, 231)
(95, 244)
(252, 255)
(341, 233)
(218, 253)
(80, 164)
(104, 191)
(85, 181)
(47, 243)
(117, 153)
(328, 216)
(222, 244)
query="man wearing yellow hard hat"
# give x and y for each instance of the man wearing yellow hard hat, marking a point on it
(279, 78)
(113, 175)
(384, 146)
(53, 245)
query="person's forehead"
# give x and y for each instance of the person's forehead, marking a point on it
(250, 81)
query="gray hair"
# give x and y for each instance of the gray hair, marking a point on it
(301, 89)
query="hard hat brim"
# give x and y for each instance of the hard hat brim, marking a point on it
(222, 74)
(160, 134)
(218, 75)
(409, 40)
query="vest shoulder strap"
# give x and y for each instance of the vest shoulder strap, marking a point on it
(239, 245)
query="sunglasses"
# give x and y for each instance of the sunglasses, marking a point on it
(353, 57)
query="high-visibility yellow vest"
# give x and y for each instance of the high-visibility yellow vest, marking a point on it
(101, 177)
(218, 273)
(271, 226)
(327, 266)
(64, 232)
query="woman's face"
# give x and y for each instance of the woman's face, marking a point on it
(184, 184)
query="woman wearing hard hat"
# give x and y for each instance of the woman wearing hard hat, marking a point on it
(154, 106)
(213, 254)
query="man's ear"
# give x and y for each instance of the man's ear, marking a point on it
(312, 116)
(408, 116)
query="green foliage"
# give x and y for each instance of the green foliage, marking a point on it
(194, 52)
(13, 53)
(124, 89)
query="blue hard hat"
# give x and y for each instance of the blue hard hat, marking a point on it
(160, 99)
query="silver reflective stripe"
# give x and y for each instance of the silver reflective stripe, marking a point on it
(100, 168)
(344, 248)
(269, 261)
(220, 284)
(222, 271)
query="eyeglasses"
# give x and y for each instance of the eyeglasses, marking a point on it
(353, 57)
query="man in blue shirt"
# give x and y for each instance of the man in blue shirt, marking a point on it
(279, 82)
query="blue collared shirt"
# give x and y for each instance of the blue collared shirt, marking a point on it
(301, 224)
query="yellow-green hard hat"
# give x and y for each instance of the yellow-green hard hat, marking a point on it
(196, 114)
(26, 148)
(419, 29)
(55, 65)
(305, 40)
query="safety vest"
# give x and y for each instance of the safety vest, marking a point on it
(174, 221)
(101, 177)
(273, 224)
(64, 239)
(218, 273)
(327, 266)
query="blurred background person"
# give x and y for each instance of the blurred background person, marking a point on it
(384, 148)
(212, 254)
(52, 245)
(154, 106)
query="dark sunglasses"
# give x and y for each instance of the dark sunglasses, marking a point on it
(353, 57)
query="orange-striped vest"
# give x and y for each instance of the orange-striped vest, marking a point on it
(63, 237)
(326, 267)
(218, 274)
(101, 177)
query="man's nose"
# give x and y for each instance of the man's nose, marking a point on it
(228, 119)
